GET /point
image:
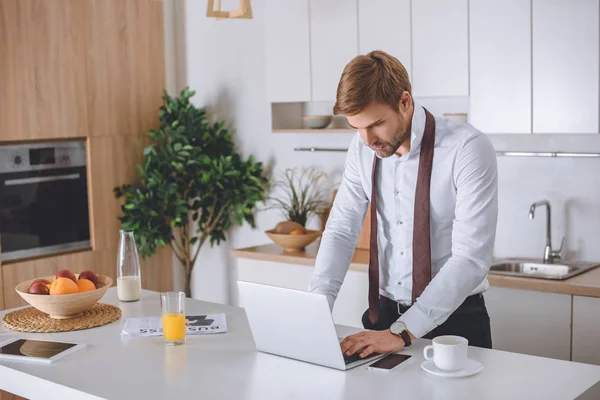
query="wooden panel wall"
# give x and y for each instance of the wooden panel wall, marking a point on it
(89, 69)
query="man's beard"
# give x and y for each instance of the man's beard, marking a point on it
(386, 149)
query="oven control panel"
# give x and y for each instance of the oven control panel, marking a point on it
(37, 156)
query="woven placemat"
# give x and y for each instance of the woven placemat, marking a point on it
(32, 320)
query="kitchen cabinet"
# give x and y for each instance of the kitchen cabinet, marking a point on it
(500, 65)
(351, 302)
(124, 66)
(565, 66)
(333, 44)
(287, 51)
(43, 91)
(586, 329)
(529, 322)
(440, 46)
(385, 25)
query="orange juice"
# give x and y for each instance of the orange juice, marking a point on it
(173, 326)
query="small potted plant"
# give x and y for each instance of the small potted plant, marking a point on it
(299, 193)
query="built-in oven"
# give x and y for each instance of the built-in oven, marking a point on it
(43, 199)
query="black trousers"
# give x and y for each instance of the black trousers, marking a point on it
(470, 320)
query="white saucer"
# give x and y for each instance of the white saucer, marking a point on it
(471, 368)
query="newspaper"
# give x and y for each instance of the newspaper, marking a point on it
(195, 325)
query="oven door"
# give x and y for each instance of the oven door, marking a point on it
(43, 212)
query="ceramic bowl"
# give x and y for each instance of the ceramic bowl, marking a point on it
(316, 121)
(292, 243)
(62, 306)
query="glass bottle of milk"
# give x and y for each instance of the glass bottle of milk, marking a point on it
(129, 279)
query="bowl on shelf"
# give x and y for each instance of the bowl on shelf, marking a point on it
(291, 243)
(316, 121)
(62, 306)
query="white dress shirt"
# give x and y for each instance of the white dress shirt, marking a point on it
(463, 216)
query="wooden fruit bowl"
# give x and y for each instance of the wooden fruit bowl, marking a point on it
(293, 242)
(64, 306)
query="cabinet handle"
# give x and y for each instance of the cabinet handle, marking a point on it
(25, 181)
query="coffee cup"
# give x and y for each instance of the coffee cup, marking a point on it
(449, 352)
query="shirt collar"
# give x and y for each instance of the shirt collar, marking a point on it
(417, 129)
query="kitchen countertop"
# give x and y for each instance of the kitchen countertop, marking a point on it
(585, 284)
(227, 366)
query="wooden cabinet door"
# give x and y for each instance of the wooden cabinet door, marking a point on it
(42, 69)
(500, 65)
(125, 66)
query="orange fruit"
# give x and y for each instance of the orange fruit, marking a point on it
(48, 286)
(298, 232)
(85, 285)
(63, 286)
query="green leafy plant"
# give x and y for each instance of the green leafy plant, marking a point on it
(193, 185)
(300, 194)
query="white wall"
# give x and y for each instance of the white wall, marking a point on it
(224, 62)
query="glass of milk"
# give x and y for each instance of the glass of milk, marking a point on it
(129, 279)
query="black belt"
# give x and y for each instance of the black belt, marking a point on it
(473, 303)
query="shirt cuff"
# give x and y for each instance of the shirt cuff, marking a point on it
(417, 322)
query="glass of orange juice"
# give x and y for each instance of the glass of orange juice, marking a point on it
(173, 317)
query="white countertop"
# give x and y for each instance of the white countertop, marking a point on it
(226, 366)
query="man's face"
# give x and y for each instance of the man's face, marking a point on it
(382, 128)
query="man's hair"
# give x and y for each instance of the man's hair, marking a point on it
(376, 76)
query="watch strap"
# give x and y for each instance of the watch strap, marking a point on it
(406, 337)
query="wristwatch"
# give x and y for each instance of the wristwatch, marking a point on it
(398, 328)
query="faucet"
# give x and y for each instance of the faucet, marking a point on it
(549, 255)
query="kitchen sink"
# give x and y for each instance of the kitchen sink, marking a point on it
(535, 269)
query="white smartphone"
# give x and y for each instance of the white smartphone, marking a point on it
(389, 362)
(39, 351)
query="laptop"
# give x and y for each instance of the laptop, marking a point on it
(295, 324)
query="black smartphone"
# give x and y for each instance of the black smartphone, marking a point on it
(389, 362)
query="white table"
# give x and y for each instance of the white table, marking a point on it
(227, 366)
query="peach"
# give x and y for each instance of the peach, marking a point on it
(65, 273)
(90, 276)
(44, 281)
(39, 288)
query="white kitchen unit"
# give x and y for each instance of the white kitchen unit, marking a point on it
(440, 46)
(352, 300)
(287, 51)
(530, 322)
(565, 66)
(333, 43)
(500, 65)
(385, 25)
(586, 329)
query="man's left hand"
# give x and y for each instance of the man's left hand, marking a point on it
(369, 342)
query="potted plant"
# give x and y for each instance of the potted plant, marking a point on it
(193, 185)
(299, 194)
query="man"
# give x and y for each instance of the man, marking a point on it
(433, 214)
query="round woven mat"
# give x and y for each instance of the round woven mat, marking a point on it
(32, 320)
